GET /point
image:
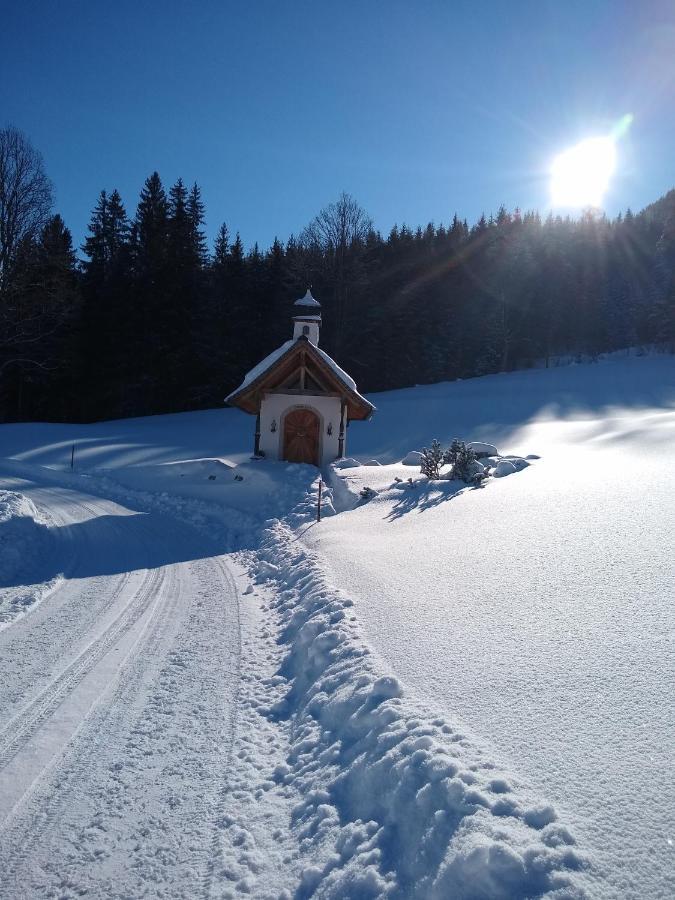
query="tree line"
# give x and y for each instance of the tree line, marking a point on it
(150, 320)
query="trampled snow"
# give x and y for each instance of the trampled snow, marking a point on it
(439, 691)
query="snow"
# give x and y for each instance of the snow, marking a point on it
(347, 462)
(535, 613)
(307, 300)
(504, 467)
(276, 355)
(396, 800)
(24, 547)
(341, 374)
(21, 530)
(439, 690)
(262, 366)
(480, 448)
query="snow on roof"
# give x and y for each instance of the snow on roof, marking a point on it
(305, 317)
(262, 366)
(307, 300)
(273, 357)
(341, 374)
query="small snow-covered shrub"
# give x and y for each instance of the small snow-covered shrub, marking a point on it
(463, 461)
(432, 459)
(366, 493)
(451, 454)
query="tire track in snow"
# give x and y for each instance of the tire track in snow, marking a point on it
(38, 812)
(24, 724)
(164, 724)
(32, 643)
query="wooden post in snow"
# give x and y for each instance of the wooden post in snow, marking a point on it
(318, 505)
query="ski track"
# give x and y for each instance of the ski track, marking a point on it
(119, 726)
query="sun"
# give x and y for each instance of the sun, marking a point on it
(581, 175)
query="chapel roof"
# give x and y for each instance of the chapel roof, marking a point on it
(308, 300)
(271, 372)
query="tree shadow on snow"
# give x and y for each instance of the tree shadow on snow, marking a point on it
(427, 495)
(114, 544)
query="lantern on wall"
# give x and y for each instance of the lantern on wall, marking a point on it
(273, 426)
(329, 430)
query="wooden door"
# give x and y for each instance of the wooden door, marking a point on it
(301, 436)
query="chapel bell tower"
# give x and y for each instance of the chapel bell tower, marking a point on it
(308, 320)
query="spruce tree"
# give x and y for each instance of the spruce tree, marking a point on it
(432, 459)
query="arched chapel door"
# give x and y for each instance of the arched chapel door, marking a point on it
(301, 436)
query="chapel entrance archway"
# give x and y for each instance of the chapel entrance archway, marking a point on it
(302, 428)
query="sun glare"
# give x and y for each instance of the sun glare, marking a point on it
(580, 176)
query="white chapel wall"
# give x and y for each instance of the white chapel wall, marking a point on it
(273, 409)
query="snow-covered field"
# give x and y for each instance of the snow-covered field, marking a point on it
(437, 692)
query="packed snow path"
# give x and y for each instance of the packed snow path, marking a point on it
(118, 694)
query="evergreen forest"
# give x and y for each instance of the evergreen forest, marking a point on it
(146, 318)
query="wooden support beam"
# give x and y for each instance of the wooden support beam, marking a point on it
(256, 442)
(341, 436)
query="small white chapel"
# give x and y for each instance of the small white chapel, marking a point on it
(302, 400)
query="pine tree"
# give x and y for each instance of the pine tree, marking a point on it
(195, 213)
(221, 250)
(432, 458)
(462, 459)
(37, 347)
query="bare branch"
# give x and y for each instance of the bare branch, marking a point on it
(25, 195)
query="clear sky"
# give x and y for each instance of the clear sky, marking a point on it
(419, 109)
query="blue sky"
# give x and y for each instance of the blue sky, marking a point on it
(418, 109)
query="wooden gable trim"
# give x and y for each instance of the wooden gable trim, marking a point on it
(285, 368)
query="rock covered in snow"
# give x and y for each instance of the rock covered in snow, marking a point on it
(347, 463)
(482, 450)
(373, 462)
(504, 467)
(518, 462)
(414, 458)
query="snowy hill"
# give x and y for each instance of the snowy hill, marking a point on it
(447, 692)
(538, 610)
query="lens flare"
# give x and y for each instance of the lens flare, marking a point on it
(581, 175)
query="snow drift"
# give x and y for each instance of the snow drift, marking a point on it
(24, 539)
(396, 802)
(22, 534)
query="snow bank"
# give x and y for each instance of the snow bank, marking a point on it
(24, 541)
(22, 535)
(394, 801)
(347, 463)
